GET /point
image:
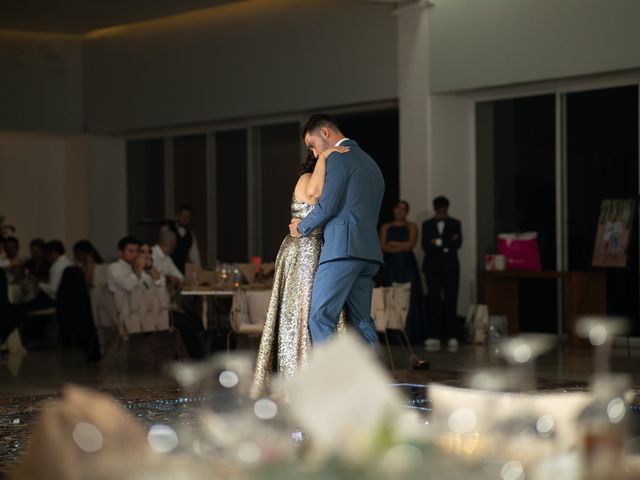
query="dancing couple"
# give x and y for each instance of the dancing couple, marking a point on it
(325, 266)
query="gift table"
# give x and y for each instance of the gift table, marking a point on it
(584, 293)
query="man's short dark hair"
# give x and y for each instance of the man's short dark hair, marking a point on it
(54, 246)
(318, 120)
(128, 240)
(440, 202)
(37, 242)
(13, 240)
(187, 208)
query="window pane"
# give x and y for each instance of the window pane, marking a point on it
(602, 160)
(280, 155)
(516, 191)
(377, 133)
(190, 184)
(231, 196)
(145, 187)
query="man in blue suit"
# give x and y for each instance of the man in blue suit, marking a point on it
(348, 210)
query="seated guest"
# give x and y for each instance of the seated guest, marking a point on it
(3, 258)
(135, 270)
(34, 328)
(55, 255)
(14, 264)
(8, 231)
(161, 253)
(184, 318)
(8, 318)
(87, 257)
(36, 267)
(149, 268)
(128, 273)
(74, 314)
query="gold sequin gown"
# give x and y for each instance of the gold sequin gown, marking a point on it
(285, 344)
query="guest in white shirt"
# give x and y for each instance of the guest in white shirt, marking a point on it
(134, 270)
(128, 273)
(186, 249)
(161, 254)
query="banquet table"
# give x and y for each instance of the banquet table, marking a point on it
(206, 295)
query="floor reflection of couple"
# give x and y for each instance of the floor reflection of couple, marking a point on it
(326, 264)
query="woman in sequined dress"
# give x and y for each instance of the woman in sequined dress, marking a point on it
(286, 343)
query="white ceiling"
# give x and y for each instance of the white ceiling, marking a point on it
(81, 16)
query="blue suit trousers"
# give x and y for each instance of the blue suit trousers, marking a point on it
(345, 282)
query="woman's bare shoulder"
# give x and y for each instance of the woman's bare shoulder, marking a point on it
(301, 188)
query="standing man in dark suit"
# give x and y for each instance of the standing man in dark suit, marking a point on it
(441, 240)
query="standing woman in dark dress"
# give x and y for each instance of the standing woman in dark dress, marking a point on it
(398, 239)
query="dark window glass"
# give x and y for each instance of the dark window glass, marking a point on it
(231, 196)
(602, 161)
(377, 133)
(190, 184)
(145, 187)
(516, 191)
(279, 156)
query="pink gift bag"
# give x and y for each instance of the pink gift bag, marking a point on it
(520, 250)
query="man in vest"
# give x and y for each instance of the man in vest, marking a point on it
(187, 245)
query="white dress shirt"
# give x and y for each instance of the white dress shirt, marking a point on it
(149, 282)
(194, 251)
(55, 275)
(164, 264)
(440, 227)
(122, 278)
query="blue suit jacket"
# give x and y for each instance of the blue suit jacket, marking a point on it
(349, 207)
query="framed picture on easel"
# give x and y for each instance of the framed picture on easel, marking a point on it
(614, 231)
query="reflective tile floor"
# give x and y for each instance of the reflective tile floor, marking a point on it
(152, 396)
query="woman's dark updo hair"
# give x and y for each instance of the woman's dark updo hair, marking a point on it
(405, 203)
(308, 165)
(86, 247)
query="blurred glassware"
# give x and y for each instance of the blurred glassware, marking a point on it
(603, 426)
(600, 331)
(522, 352)
(631, 457)
(496, 329)
(237, 276)
(604, 423)
(234, 428)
